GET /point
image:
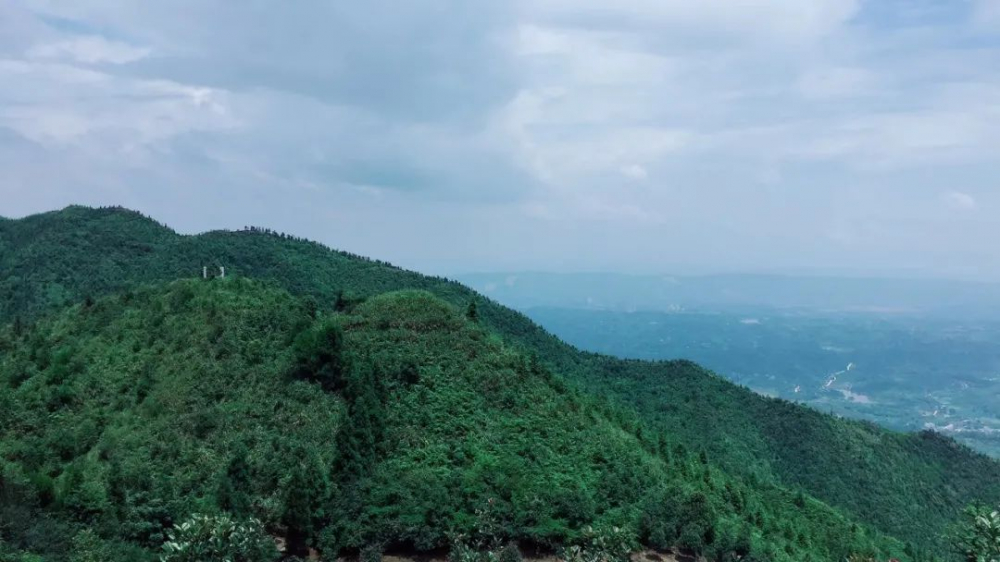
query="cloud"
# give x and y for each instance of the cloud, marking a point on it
(53, 104)
(960, 201)
(987, 13)
(634, 171)
(944, 135)
(770, 20)
(762, 129)
(837, 82)
(90, 50)
(409, 61)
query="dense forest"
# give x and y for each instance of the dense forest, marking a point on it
(350, 406)
(399, 423)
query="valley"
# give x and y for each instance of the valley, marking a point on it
(906, 371)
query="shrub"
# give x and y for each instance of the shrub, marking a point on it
(88, 547)
(509, 553)
(603, 544)
(977, 538)
(371, 553)
(207, 538)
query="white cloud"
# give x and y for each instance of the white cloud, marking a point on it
(634, 171)
(54, 104)
(837, 82)
(987, 13)
(947, 134)
(89, 50)
(960, 201)
(729, 114)
(770, 20)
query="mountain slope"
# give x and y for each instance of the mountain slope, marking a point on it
(909, 485)
(404, 424)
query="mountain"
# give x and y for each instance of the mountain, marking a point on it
(729, 292)
(398, 423)
(909, 486)
(906, 372)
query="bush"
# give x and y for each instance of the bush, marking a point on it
(88, 547)
(977, 538)
(603, 544)
(461, 551)
(509, 553)
(371, 553)
(207, 538)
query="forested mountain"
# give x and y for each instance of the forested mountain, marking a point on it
(186, 343)
(399, 422)
(905, 372)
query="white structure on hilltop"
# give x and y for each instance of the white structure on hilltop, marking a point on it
(204, 272)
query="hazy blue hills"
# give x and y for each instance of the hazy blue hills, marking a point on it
(908, 372)
(610, 291)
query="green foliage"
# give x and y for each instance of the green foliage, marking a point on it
(977, 538)
(394, 417)
(234, 490)
(181, 404)
(219, 538)
(364, 427)
(319, 355)
(462, 552)
(371, 553)
(439, 429)
(88, 547)
(603, 544)
(485, 544)
(307, 496)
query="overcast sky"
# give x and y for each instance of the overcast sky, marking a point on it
(455, 135)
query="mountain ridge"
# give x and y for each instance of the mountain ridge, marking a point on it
(907, 485)
(124, 419)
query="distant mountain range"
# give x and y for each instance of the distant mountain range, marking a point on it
(907, 372)
(611, 291)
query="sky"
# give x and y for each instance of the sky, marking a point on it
(449, 136)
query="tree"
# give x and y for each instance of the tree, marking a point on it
(800, 500)
(470, 311)
(698, 520)
(358, 444)
(311, 306)
(87, 547)
(233, 493)
(319, 354)
(977, 538)
(308, 492)
(359, 440)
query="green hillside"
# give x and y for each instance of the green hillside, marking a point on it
(398, 424)
(908, 485)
